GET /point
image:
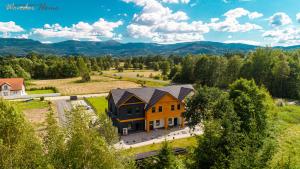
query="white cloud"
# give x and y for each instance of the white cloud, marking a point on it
(229, 36)
(284, 37)
(298, 17)
(254, 15)
(279, 19)
(214, 19)
(231, 23)
(7, 27)
(176, 1)
(80, 31)
(162, 25)
(249, 42)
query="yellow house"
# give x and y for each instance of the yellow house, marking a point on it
(148, 108)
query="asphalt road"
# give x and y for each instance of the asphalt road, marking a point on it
(62, 107)
(79, 96)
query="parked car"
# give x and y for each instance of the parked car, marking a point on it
(73, 97)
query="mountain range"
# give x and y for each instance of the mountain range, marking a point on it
(21, 47)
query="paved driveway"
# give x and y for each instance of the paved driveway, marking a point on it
(144, 138)
(62, 107)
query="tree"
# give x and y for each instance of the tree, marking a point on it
(187, 70)
(85, 148)
(164, 160)
(251, 104)
(7, 72)
(54, 141)
(165, 67)
(20, 72)
(19, 147)
(83, 69)
(236, 126)
(233, 69)
(212, 107)
(69, 70)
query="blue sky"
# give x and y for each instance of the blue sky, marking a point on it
(259, 22)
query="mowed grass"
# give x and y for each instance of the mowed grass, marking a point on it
(182, 143)
(73, 86)
(99, 104)
(288, 138)
(34, 104)
(46, 91)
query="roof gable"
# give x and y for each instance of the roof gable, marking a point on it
(150, 95)
(14, 83)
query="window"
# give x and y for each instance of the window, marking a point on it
(5, 87)
(160, 109)
(170, 121)
(153, 109)
(5, 93)
(129, 111)
(129, 126)
(172, 107)
(178, 106)
(157, 122)
(137, 110)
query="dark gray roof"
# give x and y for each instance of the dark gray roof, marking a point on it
(150, 95)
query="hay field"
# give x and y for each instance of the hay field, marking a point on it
(73, 86)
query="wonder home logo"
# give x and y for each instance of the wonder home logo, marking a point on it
(30, 7)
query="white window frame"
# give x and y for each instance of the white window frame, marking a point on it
(157, 122)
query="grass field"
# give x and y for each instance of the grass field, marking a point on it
(46, 91)
(288, 124)
(182, 143)
(72, 86)
(35, 104)
(131, 75)
(34, 111)
(99, 104)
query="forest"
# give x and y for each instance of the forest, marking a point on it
(275, 69)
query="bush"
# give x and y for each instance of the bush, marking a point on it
(42, 98)
(120, 69)
(157, 77)
(55, 90)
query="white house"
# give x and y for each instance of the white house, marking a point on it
(12, 87)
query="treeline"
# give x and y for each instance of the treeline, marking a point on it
(277, 70)
(51, 67)
(81, 144)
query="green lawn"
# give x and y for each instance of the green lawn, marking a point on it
(288, 124)
(46, 91)
(99, 104)
(182, 143)
(34, 104)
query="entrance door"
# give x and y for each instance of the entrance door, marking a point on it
(137, 126)
(151, 125)
(175, 121)
(125, 131)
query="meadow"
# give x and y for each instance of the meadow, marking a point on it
(73, 86)
(288, 137)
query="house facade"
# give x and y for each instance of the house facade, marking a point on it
(12, 87)
(140, 109)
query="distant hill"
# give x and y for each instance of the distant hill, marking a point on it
(21, 47)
